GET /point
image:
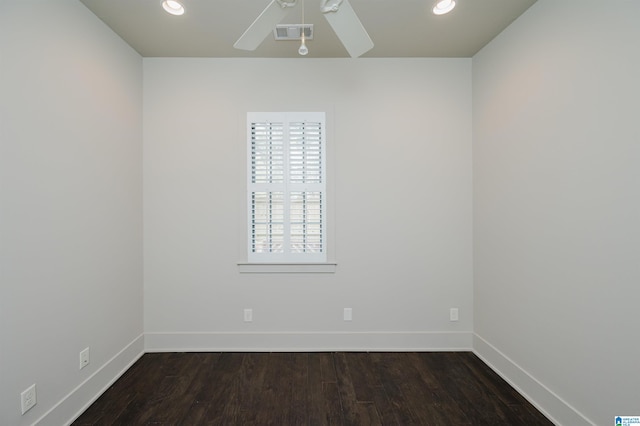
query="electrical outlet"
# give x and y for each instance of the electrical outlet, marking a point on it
(248, 315)
(28, 398)
(453, 314)
(84, 358)
(348, 314)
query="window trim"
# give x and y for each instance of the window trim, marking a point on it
(287, 268)
(313, 262)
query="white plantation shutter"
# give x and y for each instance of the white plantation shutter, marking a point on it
(286, 187)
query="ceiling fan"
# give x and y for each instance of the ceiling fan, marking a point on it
(338, 13)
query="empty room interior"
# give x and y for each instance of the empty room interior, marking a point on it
(484, 202)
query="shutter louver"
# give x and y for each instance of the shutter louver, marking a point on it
(286, 187)
(306, 222)
(305, 152)
(267, 222)
(267, 153)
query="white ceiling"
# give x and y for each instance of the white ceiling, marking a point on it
(398, 28)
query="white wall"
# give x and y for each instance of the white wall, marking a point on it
(556, 205)
(400, 171)
(70, 200)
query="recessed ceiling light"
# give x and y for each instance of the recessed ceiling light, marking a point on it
(173, 7)
(443, 6)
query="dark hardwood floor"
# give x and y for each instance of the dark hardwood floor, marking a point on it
(344, 388)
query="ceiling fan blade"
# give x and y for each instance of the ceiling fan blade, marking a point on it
(263, 25)
(348, 28)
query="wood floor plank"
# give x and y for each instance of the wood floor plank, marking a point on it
(363, 375)
(440, 400)
(385, 408)
(519, 410)
(188, 386)
(194, 389)
(324, 406)
(299, 388)
(130, 395)
(355, 412)
(347, 393)
(250, 382)
(194, 415)
(315, 395)
(162, 400)
(391, 375)
(328, 368)
(424, 402)
(480, 406)
(491, 380)
(332, 407)
(277, 391)
(222, 389)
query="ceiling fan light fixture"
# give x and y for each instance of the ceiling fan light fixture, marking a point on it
(173, 7)
(303, 50)
(443, 6)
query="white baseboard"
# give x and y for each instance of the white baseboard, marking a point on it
(79, 399)
(307, 341)
(543, 398)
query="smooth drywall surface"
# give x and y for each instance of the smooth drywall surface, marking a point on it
(399, 141)
(557, 202)
(71, 205)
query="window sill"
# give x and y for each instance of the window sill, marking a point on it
(287, 268)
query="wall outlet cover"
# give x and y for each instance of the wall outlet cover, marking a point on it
(248, 315)
(84, 358)
(453, 314)
(28, 398)
(348, 314)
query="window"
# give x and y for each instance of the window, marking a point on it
(286, 187)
